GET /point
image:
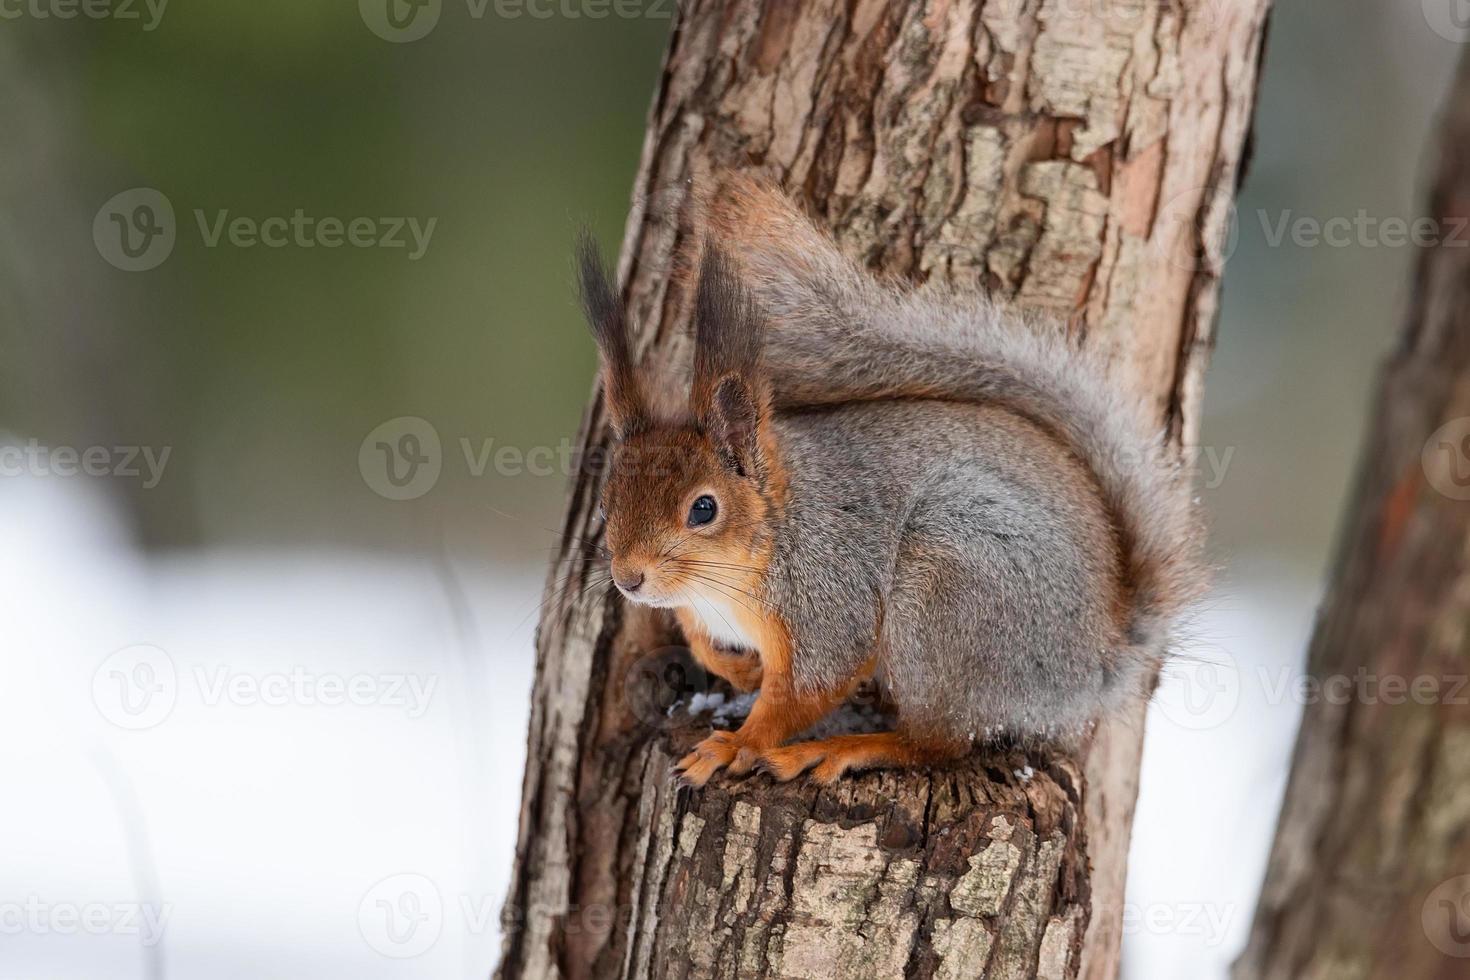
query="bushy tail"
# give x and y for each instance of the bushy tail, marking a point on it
(837, 334)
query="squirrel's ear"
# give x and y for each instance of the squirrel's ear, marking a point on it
(727, 332)
(733, 421)
(608, 319)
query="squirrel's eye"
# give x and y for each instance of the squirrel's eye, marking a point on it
(702, 512)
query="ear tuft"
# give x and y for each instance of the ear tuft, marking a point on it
(727, 330)
(607, 317)
(599, 302)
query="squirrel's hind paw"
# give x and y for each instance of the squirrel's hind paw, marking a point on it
(830, 758)
(789, 761)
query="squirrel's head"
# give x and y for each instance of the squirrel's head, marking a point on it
(688, 498)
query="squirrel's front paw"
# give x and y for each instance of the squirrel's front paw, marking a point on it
(720, 750)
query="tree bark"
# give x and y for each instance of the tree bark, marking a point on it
(1076, 157)
(1368, 875)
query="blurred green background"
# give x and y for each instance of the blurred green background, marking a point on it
(264, 368)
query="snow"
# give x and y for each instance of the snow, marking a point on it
(284, 758)
(252, 806)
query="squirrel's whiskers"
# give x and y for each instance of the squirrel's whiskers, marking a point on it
(917, 488)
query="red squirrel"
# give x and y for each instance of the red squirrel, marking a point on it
(913, 486)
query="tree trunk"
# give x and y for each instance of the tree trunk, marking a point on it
(1368, 875)
(1076, 157)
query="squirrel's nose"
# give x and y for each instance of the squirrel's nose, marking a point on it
(630, 583)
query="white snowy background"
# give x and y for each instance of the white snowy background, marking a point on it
(256, 821)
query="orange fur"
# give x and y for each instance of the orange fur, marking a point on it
(745, 575)
(832, 757)
(724, 447)
(742, 669)
(780, 712)
(745, 208)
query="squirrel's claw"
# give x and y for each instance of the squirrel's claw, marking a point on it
(708, 758)
(745, 760)
(786, 763)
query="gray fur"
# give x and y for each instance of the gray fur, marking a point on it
(963, 475)
(980, 547)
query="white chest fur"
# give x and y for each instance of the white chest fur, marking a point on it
(718, 615)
